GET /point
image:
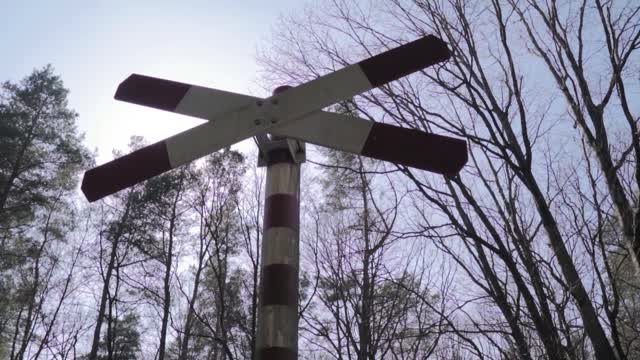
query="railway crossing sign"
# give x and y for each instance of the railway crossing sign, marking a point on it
(295, 113)
(292, 116)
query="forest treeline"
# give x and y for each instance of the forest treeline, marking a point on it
(531, 252)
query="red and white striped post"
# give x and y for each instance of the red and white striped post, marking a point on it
(277, 336)
(291, 115)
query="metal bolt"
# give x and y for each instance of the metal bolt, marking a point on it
(259, 102)
(274, 120)
(274, 101)
(257, 122)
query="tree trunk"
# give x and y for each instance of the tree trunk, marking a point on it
(593, 328)
(364, 328)
(167, 274)
(105, 287)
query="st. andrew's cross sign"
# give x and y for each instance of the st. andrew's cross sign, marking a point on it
(294, 113)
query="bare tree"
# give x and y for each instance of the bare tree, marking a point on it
(594, 80)
(124, 225)
(250, 205)
(360, 308)
(213, 301)
(516, 242)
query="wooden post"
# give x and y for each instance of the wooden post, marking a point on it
(277, 336)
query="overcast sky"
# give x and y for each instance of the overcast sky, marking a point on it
(94, 45)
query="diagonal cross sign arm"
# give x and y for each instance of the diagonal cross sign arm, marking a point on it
(234, 117)
(316, 94)
(409, 147)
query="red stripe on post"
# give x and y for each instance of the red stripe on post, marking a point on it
(404, 60)
(281, 210)
(153, 92)
(410, 147)
(280, 285)
(277, 353)
(125, 171)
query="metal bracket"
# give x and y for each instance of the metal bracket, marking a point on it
(267, 143)
(271, 112)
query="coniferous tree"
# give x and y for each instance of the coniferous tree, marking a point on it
(40, 148)
(125, 344)
(41, 155)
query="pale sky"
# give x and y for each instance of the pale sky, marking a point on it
(94, 45)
